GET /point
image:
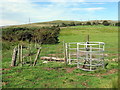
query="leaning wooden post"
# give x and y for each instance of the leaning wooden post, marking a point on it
(14, 57)
(21, 56)
(37, 55)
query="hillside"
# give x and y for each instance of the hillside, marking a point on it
(59, 22)
(68, 22)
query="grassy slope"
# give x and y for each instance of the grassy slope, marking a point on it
(56, 22)
(105, 34)
(41, 24)
(59, 77)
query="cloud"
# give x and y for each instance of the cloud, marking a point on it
(74, 0)
(19, 11)
(67, 0)
(89, 9)
(15, 12)
(58, 0)
(94, 9)
(44, 0)
(93, 3)
(97, 3)
(8, 22)
(101, 0)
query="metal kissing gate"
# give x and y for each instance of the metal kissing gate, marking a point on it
(87, 55)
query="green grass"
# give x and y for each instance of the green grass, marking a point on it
(55, 74)
(39, 77)
(107, 34)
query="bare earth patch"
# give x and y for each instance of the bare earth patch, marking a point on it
(48, 68)
(99, 74)
(5, 69)
(4, 83)
(85, 83)
(9, 76)
(69, 70)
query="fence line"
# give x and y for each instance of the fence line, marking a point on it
(24, 54)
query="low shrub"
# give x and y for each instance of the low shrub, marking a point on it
(44, 35)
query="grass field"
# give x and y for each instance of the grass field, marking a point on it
(59, 75)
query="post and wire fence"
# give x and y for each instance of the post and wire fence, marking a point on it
(30, 54)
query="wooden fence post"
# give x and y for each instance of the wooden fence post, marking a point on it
(21, 56)
(30, 54)
(37, 55)
(18, 53)
(65, 51)
(14, 57)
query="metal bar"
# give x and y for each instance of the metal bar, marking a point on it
(78, 55)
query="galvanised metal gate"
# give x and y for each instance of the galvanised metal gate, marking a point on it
(87, 55)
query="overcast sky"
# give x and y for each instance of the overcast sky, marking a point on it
(15, 12)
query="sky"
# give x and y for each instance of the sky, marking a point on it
(15, 12)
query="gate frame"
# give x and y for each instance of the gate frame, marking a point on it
(78, 51)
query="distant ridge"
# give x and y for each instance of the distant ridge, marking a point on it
(57, 22)
(69, 21)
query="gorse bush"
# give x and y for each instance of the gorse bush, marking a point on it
(44, 35)
(117, 24)
(63, 25)
(106, 23)
(88, 23)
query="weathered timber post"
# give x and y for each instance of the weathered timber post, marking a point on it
(18, 53)
(65, 52)
(14, 57)
(37, 55)
(21, 56)
(30, 54)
